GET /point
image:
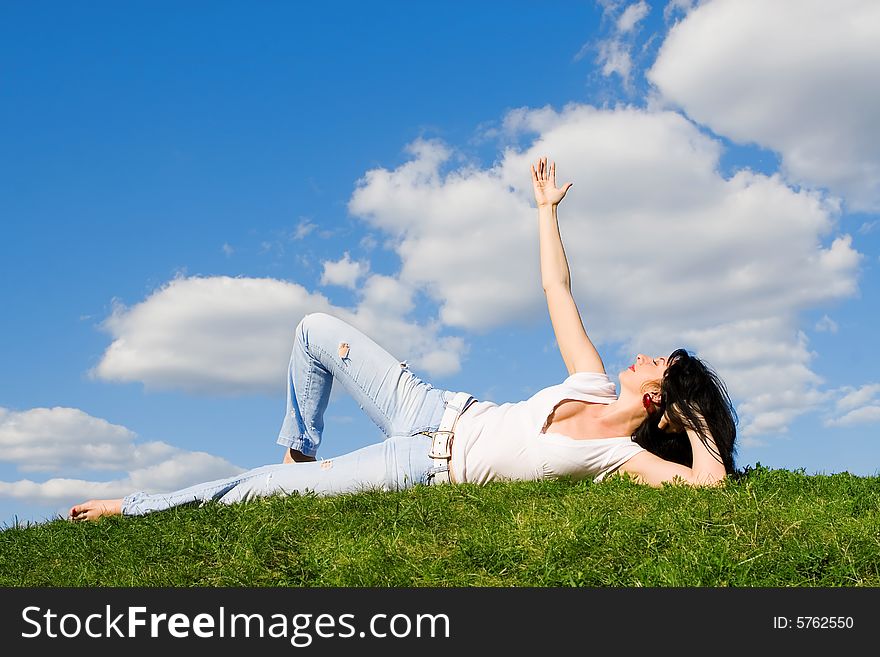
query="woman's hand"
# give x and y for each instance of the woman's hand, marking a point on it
(673, 421)
(544, 183)
(667, 424)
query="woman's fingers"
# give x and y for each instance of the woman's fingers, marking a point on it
(544, 170)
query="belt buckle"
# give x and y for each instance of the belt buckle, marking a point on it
(441, 445)
(441, 477)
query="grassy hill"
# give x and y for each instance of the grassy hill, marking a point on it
(769, 528)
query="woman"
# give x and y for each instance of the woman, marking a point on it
(671, 422)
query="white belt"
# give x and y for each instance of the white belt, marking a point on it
(441, 443)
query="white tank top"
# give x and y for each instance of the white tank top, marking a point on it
(495, 442)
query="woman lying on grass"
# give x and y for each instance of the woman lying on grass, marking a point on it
(671, 422)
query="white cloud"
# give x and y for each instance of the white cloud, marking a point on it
(610, 7)
(796, 76)
(303, 229)
(864, 415)
(465, 238)
(344, 272)
(765, 363)
(62, 491)
(211, 333)
(663, 249)
(368, 243)
(70, 440)
(615, 57)
(868, 227)
(387, 295)
(675, 7)
(614, 53)
(46, 439)
(227, 250)
(632, 15)
(853, 407)
(826, 325)
(234, 335)
(853, 398)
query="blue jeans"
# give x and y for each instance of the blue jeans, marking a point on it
(404, 407)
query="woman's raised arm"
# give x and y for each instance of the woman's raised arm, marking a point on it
(575, 346)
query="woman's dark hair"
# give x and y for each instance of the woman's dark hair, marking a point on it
(691, 389)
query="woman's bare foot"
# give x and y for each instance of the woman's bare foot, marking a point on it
(296, 456)
(94, 509)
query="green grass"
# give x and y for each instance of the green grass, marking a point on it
(769, 528)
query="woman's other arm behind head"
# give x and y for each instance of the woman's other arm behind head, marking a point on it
(707, 469)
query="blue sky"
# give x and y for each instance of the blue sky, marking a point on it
(180, 183)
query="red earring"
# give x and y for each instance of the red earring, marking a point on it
(647, 402)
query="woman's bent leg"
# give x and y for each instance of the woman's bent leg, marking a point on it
(326, 348)
(398, 462)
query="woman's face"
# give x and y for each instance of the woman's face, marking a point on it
(645, 370)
